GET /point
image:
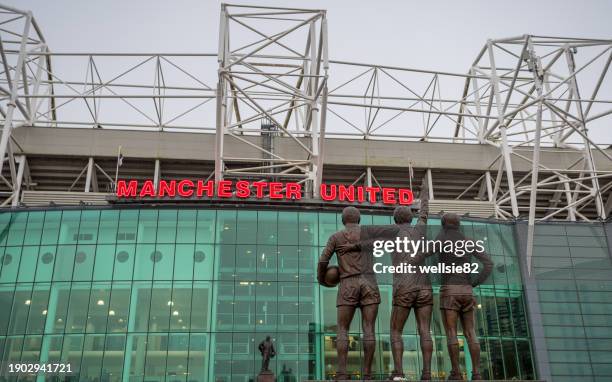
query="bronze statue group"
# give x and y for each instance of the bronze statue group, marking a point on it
(358, 288)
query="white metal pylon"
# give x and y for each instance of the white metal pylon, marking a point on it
(272, 82)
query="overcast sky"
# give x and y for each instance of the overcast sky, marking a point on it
(435, 35)
(441, 35)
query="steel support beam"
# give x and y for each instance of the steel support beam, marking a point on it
(536, 69)
(15, 82)
(504, 146)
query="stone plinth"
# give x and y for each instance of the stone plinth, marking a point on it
(266, 376)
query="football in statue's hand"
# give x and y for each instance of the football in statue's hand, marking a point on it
(332, 276)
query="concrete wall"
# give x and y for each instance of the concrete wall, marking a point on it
(352, 152)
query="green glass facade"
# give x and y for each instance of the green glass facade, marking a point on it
(573, 272)
(161, 294)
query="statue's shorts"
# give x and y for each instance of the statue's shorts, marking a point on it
(358, 290)
(460, 303)
(407, 298)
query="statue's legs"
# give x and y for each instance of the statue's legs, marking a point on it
(345, 316)
(449, 318)
(423, 319)
(468, 322)
(399, 315)
(368, 320)
(265, 363)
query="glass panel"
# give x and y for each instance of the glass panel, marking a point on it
(112, 364)
(163, 262)
(91, 366)
(226, 227)
(20, 310)
(46, 260)
(510, 359)
(198, 358)
(225, 306)
(64, 262)
(145, 256)
(205, 227)
(12, 354)
(127, 231)
(267, 227)
(88, 227)
(69, 229)
(31, 349)
(161, 308)
(184, 261)
(38, 308)
(166, 226)
(76, 317)
(308, 258)
(147, 226)
(107, 230)
(178, 354)
(308, 228)
(244, 306)
(266, 307)
(288, 307)
(103, 267)
(327, 226)
(267, 262)
(181, 302)
(200, 307)
(51, 227)
(247, 227)
(6, 300)
(52, 346)
(57, 311)
(17, 228)
(287, 228)
(118, 312)
(10, 263)
(226, 259)
(5, 221)
(84, 261)
(98, 308)
(124, 257)
(141, 307)
(288, 263)
(204, 261)
(155, 362)
(136, 352)
(186, 226)
(72, 351)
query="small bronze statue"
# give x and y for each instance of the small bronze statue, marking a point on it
(266, 348)
(456, 297)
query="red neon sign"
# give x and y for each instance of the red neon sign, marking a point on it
(242, 189)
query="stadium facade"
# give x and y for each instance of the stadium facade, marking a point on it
(182, 288)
